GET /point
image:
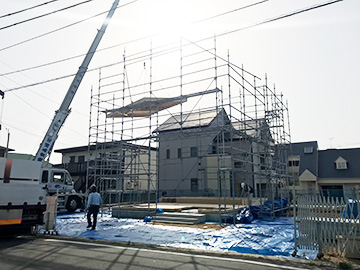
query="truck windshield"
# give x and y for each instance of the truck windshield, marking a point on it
(58, 177)
(68, 180)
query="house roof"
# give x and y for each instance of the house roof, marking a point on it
(206, 117)
(327, 166)
(322, 162)
(190, 120)
(72, 149)
(307, 160)
(250, 127)
(109, 145)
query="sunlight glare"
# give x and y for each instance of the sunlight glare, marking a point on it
(172, 16)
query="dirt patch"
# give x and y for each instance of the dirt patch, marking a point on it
(336, 259)
(206, 226)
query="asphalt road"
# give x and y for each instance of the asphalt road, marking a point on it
(65, 254)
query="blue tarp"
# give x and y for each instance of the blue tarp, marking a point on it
(351, 209)
(275, 238)
(249, 213)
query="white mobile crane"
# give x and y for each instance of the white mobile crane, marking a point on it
(24, 184)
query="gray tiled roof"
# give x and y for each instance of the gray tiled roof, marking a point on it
(100, 146)
(190, 120)
(327, 166)
(322, 162)
(307, 160)
(251, 127)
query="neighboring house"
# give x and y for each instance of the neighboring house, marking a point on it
(113, 165)
(339, 171)
(303, 164)
(334, 172)
(198, 149)
(74, 159)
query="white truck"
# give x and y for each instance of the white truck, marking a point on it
(24, 184)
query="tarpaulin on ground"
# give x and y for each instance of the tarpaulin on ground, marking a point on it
(275, 238)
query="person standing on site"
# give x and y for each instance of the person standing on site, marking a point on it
(93, 206)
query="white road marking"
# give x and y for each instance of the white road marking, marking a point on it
(179, 254)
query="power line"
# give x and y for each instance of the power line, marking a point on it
(114, 46)
(39, 83)
(28, 102)
(32, 106)
(19, 129)
(61, 28)
(282, 16)
(44, 114)
(45, 97)
(264, 22)
(194, 42)
(50, 32)
(231, 11)
(42, 65)
(46, 14)
(26, 9)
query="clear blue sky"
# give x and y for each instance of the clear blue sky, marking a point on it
(313, 59)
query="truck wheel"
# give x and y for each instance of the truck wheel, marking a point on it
(72, 204)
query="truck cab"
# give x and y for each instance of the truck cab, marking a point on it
(59, 181)
(56, 180)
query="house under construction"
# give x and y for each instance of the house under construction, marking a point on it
(193, 123)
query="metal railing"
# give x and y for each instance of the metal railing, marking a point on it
(328, 224)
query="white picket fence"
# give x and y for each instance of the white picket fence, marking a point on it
(328, 224)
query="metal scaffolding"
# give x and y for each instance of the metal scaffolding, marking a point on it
(192, 124)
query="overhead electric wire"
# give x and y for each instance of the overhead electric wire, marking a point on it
(26, 9)
(62, 28)
(264, 22)
(194, 42)
(50, 32)
(44, 15)
(45, 97)
(114, 46)
(29, 103)
(110, 47)
(281, 17)
(39, 83)
(42, 65)
(230, 11)
(44, 114)
(19, 129)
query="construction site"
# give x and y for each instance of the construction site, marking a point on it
(188, 149)
(193, 124)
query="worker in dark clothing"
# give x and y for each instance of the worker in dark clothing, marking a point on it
(94, 203)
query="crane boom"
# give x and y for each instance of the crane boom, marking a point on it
(64, 110)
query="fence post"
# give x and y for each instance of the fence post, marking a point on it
(319, 239)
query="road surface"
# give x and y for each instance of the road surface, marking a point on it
(65, 254)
